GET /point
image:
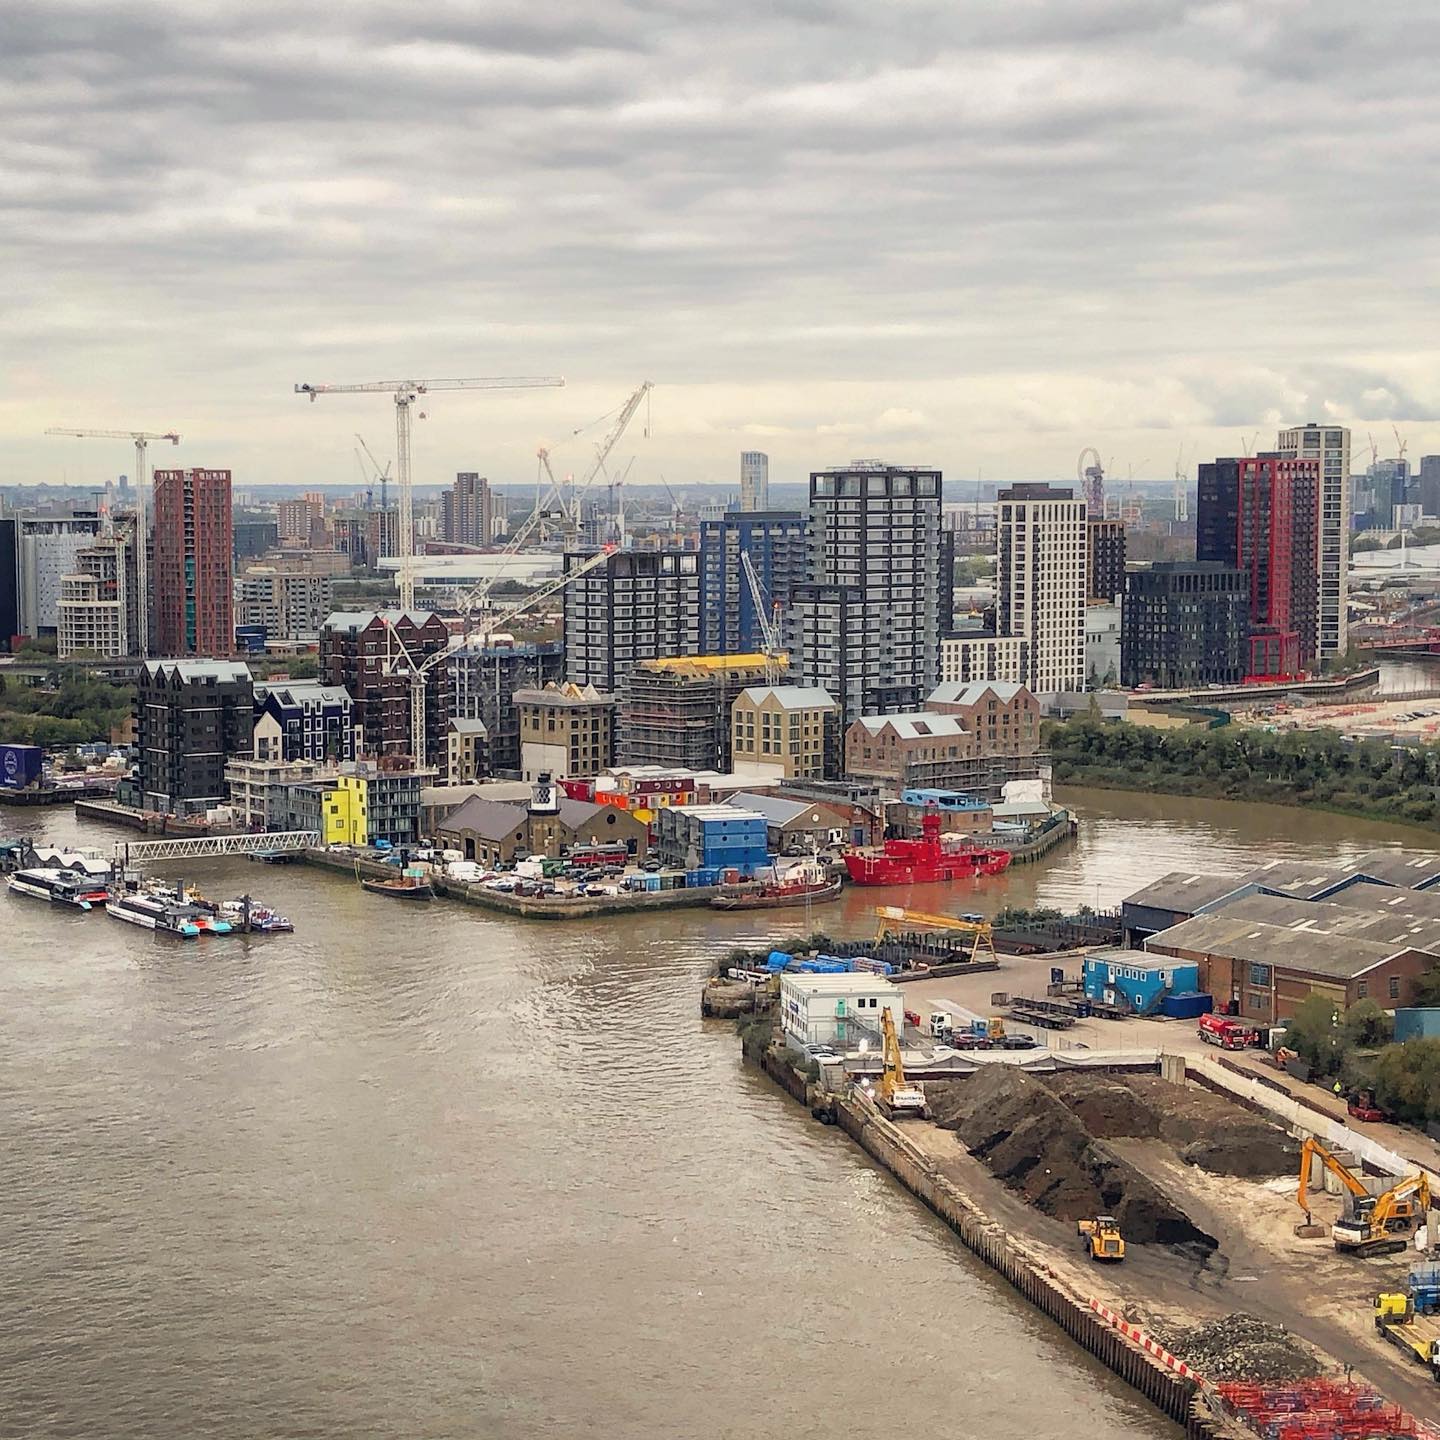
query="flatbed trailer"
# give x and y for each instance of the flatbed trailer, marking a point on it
(1399, 1322)
(1046, 1019)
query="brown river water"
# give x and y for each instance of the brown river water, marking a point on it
(417, 1172)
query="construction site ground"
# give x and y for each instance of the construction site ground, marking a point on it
(1029, 975)
(1261, 1268)
(1368, 717)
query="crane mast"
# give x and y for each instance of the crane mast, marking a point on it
(420, 670)
(141, 439)
(769, 637)
(405, 393)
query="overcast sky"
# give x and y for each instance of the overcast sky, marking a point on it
(978, 233)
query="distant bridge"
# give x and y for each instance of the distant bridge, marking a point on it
(203, 847)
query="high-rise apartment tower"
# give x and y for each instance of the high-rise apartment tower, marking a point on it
(193, 574)
(1329, 446)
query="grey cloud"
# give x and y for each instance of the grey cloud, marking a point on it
(1023, 221)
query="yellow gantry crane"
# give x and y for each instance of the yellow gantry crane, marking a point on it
(894, 919)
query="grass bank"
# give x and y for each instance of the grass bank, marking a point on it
(1317, 769)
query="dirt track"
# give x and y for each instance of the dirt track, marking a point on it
(1260, 1267)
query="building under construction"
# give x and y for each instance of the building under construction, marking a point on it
(676, 712)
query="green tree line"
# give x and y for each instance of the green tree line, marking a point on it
(74, 709)
(1316, 768)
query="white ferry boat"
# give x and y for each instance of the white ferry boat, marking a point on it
(170, 916)
(60, 887)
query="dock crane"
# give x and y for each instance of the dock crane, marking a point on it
(775, 658)
(405, 393)
(141, 440)
(399, 660)
(893, 916)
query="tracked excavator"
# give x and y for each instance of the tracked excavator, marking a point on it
(1371, 1224)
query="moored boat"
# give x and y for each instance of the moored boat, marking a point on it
(771, 895)
(260, 919)
(406, 887)
(60, 887)
(171, 917)
(925, 861)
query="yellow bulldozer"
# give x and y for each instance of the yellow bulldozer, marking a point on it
(1100, 1238)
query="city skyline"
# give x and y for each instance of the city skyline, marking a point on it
(1104, 197)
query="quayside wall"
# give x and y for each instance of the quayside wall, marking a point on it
(1174, 1394)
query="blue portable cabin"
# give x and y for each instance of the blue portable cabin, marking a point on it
(1137, 980)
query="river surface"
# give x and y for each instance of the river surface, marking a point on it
(433, 1173)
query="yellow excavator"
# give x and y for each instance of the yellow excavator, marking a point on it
(1372, 1224)
(1100, 1238)
(896, 1095)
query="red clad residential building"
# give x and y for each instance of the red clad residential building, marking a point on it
(192, 578)
(1261, 514)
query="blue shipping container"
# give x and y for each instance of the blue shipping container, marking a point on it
(20, 765)
(1415, 1022)
(1189, 1005)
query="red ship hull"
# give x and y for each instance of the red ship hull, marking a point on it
(923, 862)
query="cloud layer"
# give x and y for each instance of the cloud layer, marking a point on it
(978, 235)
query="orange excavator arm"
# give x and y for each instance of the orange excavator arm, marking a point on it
(1313, 1147)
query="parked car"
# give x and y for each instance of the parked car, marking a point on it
(651, 867)
(970, 1042)
(1019, 1042)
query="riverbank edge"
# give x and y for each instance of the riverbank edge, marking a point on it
(1175, 1396)
(1098, 781)
(521, 906)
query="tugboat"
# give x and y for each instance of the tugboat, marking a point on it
(803, 885)
(411, 885)
(172, 917)
(933, 857)
(242, 913)
(60, 887)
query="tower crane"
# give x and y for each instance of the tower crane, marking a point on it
(400, 660)
(405, 393)
(383, 476)
(141, 440)
(603, 448)
(478, 595)
(764, 618)
(1401, 445)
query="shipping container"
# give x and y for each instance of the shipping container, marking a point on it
(1189, 1005)
(20, 766)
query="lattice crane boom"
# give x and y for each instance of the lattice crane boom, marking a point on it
(141, 440)
(405, 393)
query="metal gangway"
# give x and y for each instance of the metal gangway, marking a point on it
(203, 847)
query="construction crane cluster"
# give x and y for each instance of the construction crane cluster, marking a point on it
(405, 394)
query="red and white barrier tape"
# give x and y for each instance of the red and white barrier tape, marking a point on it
(1149, 1346)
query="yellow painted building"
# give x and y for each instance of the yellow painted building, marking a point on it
(344, 809)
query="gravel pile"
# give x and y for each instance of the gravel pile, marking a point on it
(1240, 1347)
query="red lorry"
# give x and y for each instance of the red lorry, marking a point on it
(1228, 1033)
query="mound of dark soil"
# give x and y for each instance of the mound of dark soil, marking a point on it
(1205, 1129)
(1033, 1141)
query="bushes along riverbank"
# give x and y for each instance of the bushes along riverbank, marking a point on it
(1315, 767)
